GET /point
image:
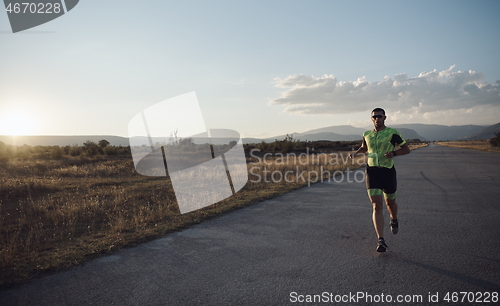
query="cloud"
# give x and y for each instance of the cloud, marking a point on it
(478, 115)
(428, 92)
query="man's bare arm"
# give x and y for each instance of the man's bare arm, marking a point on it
(362, 149)
(405, 149)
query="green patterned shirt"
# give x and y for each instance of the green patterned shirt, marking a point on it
(378, 143)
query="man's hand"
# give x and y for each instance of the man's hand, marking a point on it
(361, 150)
(389, 154)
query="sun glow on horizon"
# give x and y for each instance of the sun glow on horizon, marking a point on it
(17, 123)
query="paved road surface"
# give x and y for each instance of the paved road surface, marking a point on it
(314, 240)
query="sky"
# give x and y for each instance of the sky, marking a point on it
(261, 68)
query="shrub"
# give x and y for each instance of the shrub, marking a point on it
(3, 156)
(57, 152)
(91, 148)
(75, 150)
(495, 141)
(288, 144)
(103, 143)
(263, 146)
(111, 151)
(42, 152)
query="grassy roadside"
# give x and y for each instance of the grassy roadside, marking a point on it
(481, 145)
(55, 214)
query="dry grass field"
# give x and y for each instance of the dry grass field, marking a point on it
(59, 212)
(482, 145)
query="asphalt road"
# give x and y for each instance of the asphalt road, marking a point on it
(315, 241)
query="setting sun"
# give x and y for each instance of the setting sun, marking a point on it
(16, 123)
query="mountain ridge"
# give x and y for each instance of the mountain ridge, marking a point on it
(420, 131)
(488, 132)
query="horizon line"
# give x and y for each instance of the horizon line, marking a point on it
(112, 135)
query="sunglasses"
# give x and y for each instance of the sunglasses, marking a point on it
(377, 116)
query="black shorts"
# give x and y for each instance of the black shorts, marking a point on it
(381, 178)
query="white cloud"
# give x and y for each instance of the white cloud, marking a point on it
(478, 115)
(428, 92)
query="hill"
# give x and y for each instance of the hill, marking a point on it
(337, 129)
(486, 133)
(440, 132)
(332, 133)
(410, 134)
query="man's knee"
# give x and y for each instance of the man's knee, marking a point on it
(377, 202)
(377, 207)
(390, 202)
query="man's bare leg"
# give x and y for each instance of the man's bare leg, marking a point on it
(392, 207)
(378, 216)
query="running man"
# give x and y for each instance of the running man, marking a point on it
(380, 173)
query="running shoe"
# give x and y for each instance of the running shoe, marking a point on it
(381, 246)
(394, 226)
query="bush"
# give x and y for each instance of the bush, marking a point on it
(3, 156)
(111, 151)
(91, 148)
(495, 141)
(57, 152)
(103, 143)
(288, 144)
(263, 146)
(75, 151)
(41, 152)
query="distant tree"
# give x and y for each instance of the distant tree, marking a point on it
(103, 143)
(495, 141)
(173, 137)
(91, 148)
(287, 144)
(263, 146)
(186, 141)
